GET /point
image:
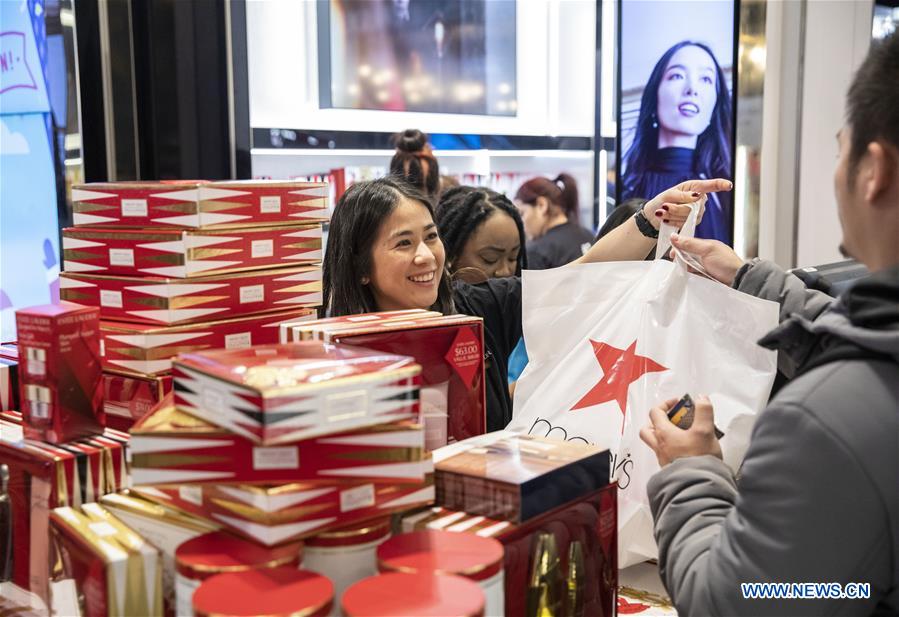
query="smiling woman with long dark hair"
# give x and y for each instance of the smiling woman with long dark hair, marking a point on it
(385, 253)
(683, 131)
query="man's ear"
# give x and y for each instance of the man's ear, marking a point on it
(878, 172)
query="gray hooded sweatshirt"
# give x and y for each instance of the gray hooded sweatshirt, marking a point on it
(817, 497)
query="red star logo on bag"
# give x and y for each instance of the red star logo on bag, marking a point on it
(620, 368)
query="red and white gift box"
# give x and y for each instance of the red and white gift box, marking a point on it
(193, 204)
(283, 393)
(172, 447)
(180, 253)
(275, 514)
(148, 350)
(158, 300)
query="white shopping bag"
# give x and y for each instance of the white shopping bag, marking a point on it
(607, 341)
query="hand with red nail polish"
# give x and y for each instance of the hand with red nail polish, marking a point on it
(677, 202)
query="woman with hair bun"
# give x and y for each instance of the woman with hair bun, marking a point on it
(415, 163)
(549, 209)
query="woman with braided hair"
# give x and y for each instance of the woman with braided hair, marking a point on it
(385, 253)
(482, 232)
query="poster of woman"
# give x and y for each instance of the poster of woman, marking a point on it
(676, 112)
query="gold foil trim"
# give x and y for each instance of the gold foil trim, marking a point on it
(77, 255)
(174, 420)
(311, 286)
(142, 507)
(198, 254)
(73, 295)
(83, 206)
(155, 353)
(117, 234)
(280, 517)
(353, 533)
(152, 460)
(382, 455)
(171, 259)
(273, 563)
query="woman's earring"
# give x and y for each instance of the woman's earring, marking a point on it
(655, 122)
(365, 280)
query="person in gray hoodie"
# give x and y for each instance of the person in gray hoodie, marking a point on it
(817, 497)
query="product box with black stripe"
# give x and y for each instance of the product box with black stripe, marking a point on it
(198, 204)
(274, 514)
(60, 391)
(183, 253)
(515, 477)
(577, 567)
(173, 447)
(147, 350)
(275, 394)
(450, 350)
(168, 301)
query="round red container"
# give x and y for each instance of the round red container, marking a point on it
(218, 553)
(273, 591)
(443, 552)
(406, 595)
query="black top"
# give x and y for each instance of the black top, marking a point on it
(559, 246)
(671, 167)
(498, 302)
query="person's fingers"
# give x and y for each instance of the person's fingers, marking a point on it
(648, 435)
(704, 415)
(678, 196)
(706, 186)
(658, 416)
(697, 246)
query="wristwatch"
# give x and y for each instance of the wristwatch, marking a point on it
(644, 225)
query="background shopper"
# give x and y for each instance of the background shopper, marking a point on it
(549, 209)
(415, 163)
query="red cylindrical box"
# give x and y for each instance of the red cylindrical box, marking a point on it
(219, 552)
(401, 594)
(272, 592)
(443, 552)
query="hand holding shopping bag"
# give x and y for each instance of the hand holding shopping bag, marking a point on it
(608, 341)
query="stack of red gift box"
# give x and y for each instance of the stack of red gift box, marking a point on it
(183, 266)
(277, 443)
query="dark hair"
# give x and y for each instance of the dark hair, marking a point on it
(414, 162)
(712, 153)
(348, 259)
(873, 100)
(561, 192)
(619, 216)
(462, 209)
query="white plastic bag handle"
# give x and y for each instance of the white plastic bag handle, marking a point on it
(686, 260)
